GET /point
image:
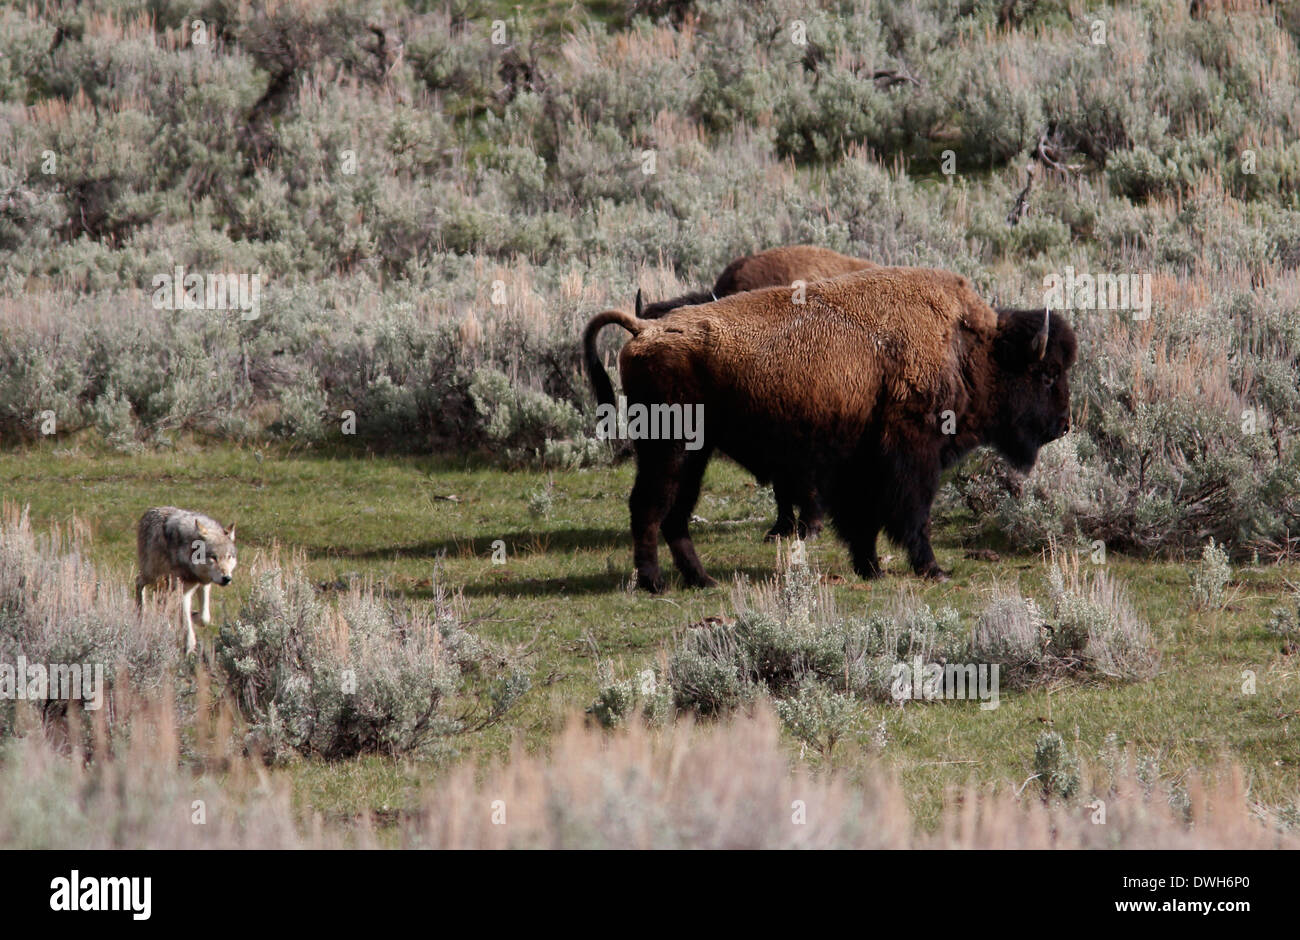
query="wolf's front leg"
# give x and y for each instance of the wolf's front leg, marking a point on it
(206, 615)
(187, 598)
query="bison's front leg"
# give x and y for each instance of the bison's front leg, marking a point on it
(811, 516)
(862, 549)
(784, 527)
(916, 480)
(922, 555)
(858, 522)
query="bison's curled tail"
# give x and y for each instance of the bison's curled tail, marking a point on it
(600, 383)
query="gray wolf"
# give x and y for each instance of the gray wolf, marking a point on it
(865, 392)
(187, 549)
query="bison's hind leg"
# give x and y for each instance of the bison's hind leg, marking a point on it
(811, 514)
(658, 469)
(690, 475)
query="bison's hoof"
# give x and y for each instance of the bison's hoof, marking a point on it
(935, 573)
(702, 581)
(653, 583)
(779, 531)
(810, 532)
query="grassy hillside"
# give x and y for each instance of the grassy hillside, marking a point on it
(434, 201)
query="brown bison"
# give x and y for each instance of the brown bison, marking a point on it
(865, 392)
(772, 268)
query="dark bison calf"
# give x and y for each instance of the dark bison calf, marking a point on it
(772, 268)
(864, 393)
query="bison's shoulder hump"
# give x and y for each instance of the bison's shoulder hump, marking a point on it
(915, 313)
(914, 300)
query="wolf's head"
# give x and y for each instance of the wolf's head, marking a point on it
(220, 558)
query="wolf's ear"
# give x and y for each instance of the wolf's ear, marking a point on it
(230, 533)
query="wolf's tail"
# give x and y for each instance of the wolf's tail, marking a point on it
(600, 383)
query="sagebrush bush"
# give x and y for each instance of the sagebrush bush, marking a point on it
(57, 609)
(1063, 499)
(1284, 622)
(1056, 767)
(364, 674)
(1210, 578)
(529, 425)
(1093, 624)
(1012, 632)
(787, 642)
(619, 699)
(819, 717)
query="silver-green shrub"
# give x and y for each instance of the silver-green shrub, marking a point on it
(1056, 767)
(1210, 578)
(787, 638)
(57, 608)
(1094, 625)
(364, 674)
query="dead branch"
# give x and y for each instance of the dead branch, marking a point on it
(1022, 200)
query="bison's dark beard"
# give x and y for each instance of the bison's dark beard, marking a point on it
(1020, 451)
(1024, 465)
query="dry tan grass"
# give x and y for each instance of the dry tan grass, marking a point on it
(689, 786)
(57, 605)
(724, 785)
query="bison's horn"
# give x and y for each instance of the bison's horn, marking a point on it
(1040, 341)
(638, 303)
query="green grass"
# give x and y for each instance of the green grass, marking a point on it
(563, 594)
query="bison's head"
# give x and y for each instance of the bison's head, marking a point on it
(1032, 353)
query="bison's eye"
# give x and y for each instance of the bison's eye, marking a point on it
(1048, 378)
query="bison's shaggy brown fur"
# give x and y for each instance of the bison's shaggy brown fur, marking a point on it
(772, 268)
(864, 392)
